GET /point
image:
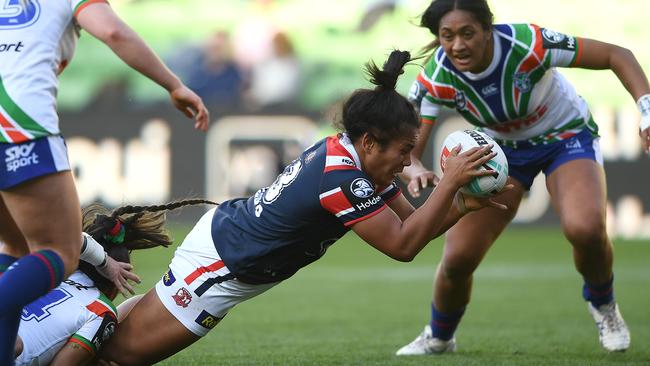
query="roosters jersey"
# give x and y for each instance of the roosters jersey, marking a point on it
(520, 96)
(37, 41)
(75, 311)
(291, 223)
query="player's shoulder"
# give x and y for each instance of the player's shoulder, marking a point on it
(526, 33)
(340, 154)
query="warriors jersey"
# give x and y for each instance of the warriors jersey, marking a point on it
(75, 311)
(291, 223)
(520, 96)
(37, 41)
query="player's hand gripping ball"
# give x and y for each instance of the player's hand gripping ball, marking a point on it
(485, 186)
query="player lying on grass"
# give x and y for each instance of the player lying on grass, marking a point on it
(343, 182)
(70, 323)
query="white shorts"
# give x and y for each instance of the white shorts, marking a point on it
(198, 288)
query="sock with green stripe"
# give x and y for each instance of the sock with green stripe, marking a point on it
(27, 279)
(8, 323)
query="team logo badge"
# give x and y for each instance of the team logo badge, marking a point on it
(553, 39)
(522, 82)
(207, 320)
(460, 100)
(108, 331)
(14, 16)
(182, 298)
(168, 278)
(553, 36)
(362, 188)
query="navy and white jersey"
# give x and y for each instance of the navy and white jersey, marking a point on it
(291, 223)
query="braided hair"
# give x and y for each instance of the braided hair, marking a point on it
(125, 229)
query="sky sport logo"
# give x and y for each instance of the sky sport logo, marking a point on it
(20, 156)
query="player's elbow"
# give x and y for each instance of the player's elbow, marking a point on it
(115, 35)
(403, 255)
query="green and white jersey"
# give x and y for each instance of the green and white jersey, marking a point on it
(37, 41)
(520, 96)
(75, 311)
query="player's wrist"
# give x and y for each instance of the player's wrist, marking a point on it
(644, 107)
(92, 252)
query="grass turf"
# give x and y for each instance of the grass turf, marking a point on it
(357, 307)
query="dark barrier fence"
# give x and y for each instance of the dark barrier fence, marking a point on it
(152, 154)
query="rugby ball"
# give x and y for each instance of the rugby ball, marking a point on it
(485, 186)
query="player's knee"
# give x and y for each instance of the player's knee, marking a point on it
(586, 233)
(458, 268)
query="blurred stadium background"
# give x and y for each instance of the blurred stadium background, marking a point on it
(354, 306)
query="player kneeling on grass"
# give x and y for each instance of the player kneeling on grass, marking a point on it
(69, 324)
(246, 246)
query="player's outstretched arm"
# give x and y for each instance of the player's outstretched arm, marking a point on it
(403, 240)
(598, 55)
(101, 22)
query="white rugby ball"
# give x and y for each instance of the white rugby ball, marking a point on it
(485, 186)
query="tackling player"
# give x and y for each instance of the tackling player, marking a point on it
(502, 79)
(248, 245)
(39, 207)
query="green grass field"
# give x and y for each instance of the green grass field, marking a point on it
(357, 307)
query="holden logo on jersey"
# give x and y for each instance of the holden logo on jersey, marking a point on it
(362, 188)
(20, 156)
(460, 100)
(182, 298)
(13, 15)
(489, 90)
(522, 82)
(368, 203)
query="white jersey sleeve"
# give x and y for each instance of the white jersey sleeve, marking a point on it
(564, 50)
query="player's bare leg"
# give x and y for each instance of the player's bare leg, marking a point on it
(465, 247)
(170, 336)
(578, 194)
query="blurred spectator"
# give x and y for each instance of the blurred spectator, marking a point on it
(276, 80)
(211, 71)
(253, 36)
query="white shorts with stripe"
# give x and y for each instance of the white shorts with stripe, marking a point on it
(198, 289)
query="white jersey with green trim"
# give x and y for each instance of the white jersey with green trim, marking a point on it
(75, 311)
(520, 96)
(37, 41)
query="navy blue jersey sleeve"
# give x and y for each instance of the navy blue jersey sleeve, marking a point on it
(389, 193)
(350, 196)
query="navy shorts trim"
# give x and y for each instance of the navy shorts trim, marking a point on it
(525, 163)
(31, 159)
